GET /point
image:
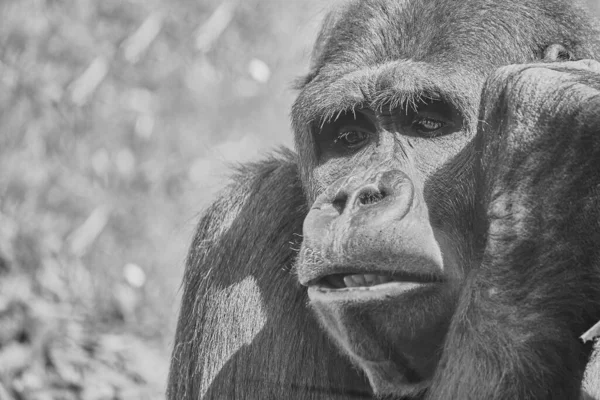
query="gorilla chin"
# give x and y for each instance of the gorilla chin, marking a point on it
(397, 329)
(390, 323)
(376, 276)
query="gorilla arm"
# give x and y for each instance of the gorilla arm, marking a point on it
(538, 289)
(244, 330)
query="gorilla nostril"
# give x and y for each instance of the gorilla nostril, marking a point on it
(564, 55)
(557, 53)
(339, 203)
(369, 196)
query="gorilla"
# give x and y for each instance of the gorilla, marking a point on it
(437, 233)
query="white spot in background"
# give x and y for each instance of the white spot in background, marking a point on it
(134, 275)
(82, 239)
(125, 162)
(259, 70)
(236, 316)
(200, 75)
(84, 87)
(144, 126)
(139, 100)
(210, 31)
(100, 162)
(138, 43)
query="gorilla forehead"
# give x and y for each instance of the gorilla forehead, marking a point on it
(375, 52)
(371, 32)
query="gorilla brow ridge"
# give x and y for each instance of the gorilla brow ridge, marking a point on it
(328, 113)
(396, 84)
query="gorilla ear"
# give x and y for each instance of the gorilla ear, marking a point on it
(557, 53)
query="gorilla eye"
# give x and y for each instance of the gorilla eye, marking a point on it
(433, 118)
(348, 133)
(352, 139)
(427, 126)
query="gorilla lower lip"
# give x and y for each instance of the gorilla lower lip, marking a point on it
(380, 291)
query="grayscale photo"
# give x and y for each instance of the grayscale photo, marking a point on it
(300, 199)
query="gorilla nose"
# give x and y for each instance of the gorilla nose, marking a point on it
(364, 196)
(365, 224)
(386, 194)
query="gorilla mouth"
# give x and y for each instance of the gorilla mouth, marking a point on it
(357, 281)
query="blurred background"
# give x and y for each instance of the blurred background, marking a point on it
(117, 121)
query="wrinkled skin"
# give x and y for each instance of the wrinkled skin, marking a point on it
(446, 210)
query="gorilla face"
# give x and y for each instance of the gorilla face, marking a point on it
(387, 120)
(382, 255)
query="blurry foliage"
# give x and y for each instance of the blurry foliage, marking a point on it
(117, 118)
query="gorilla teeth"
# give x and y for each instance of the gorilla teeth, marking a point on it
(362, 280)
(355, 280)
(344, 281)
